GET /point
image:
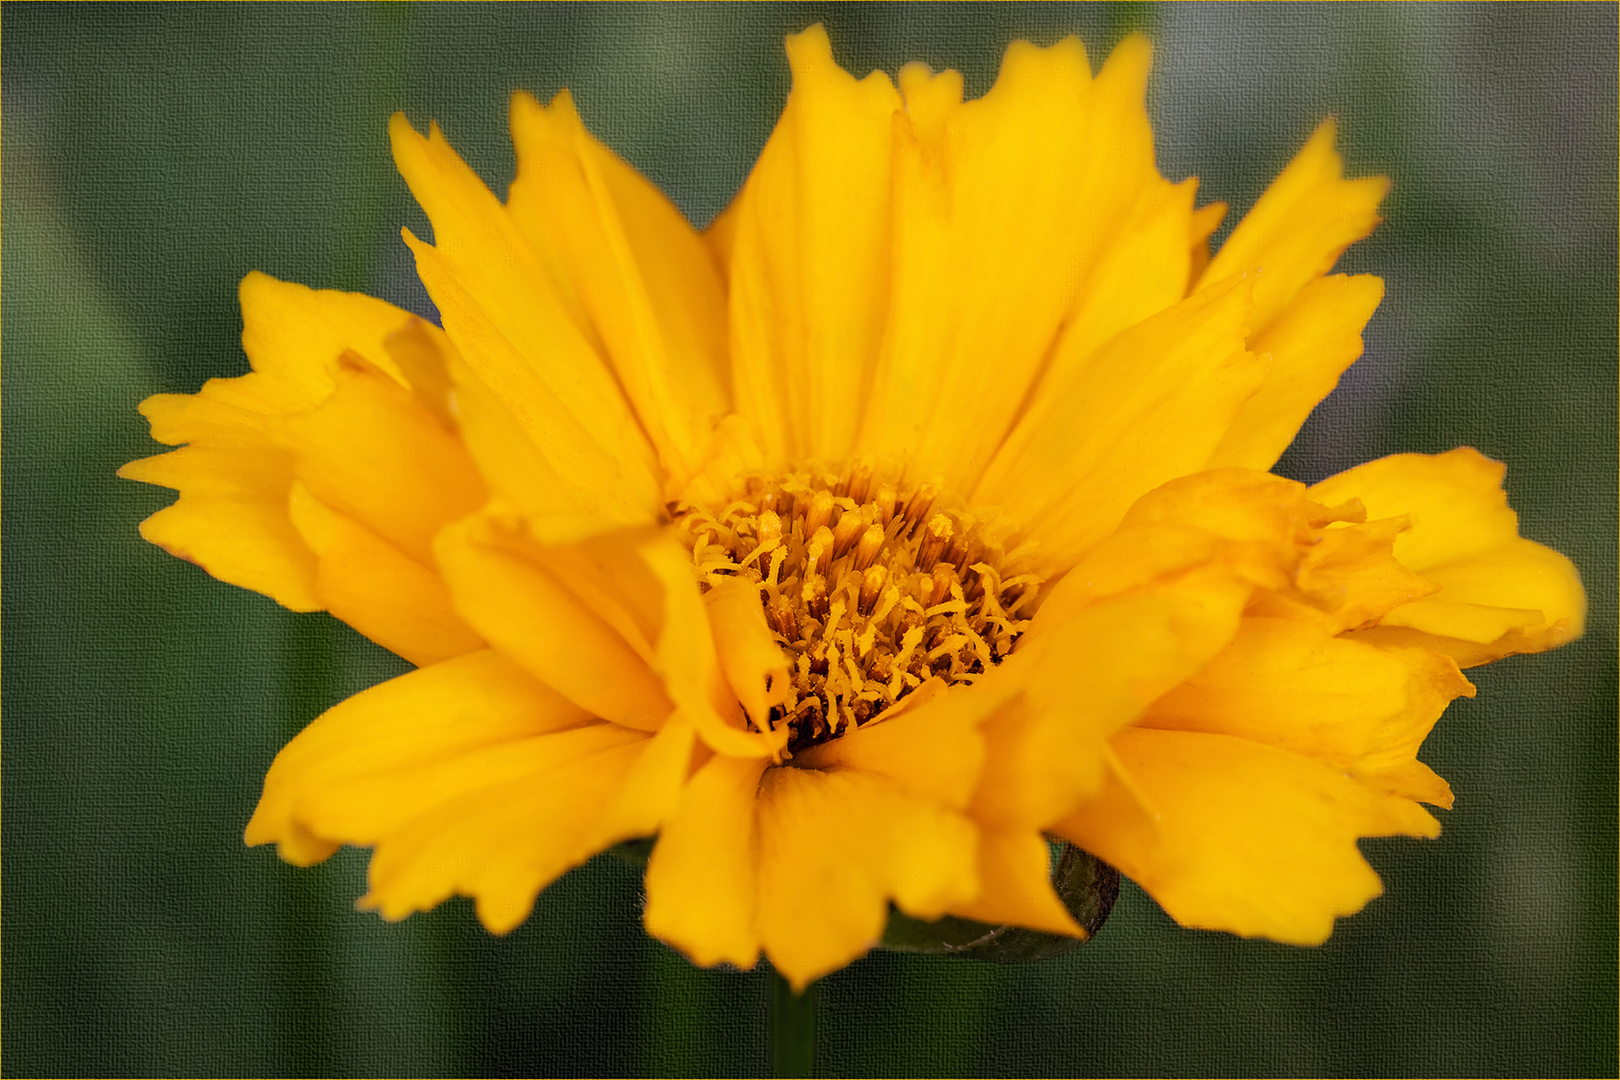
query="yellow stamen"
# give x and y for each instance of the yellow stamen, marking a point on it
(869, 593)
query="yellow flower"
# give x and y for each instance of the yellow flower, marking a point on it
(915, 511)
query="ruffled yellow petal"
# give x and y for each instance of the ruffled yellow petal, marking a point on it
(1016, 884)
(295, 335)
(1352, 578)
(834, 848)
(1299, 227)
(231, 517)
(512, 826)
(650, 289)
(1310, 343)
(1009, 211)
(501, 588)
(1497, 592)
(1150, 405)
(376, 588)
(1455, 501)
(521, 343)
(702, 879)
(1294, 686)
(1248, 838)
(235, 475)
(1248, 522)
(809, 258)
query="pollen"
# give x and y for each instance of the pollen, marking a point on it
(871, 588)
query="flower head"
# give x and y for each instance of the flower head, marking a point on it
(914, 512)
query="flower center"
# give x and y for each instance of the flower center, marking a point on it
(870, 588)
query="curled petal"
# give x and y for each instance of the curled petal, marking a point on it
(235, 475)
(1498, 593)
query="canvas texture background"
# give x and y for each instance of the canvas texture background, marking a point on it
(153, 156)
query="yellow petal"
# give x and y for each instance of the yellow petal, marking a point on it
(225, 413)
(523, 818)
(933, 751)
(1455, 501)
(1140, 274)
(373, 452)
(1038, 765)
(1249, 838)
(809, 259)
(1498, 593)
(515, 603)
(1119, 817)
(1299, 227)
(1205, 220)
(1520, 577)
(733, 453)
(1247, 521)
(294, 335)
(701, 879)
(509, 462)
(687, 661)
(234, 478)
(648, 286)
(610, 576)
(834, 848)
(1016, 884)
(1149, 406)
(1352, 576)
(652, 788)
(1310, 343)
(1298, 688)
(363, 796)
(1008, 210)
(1480, 624)
(520, 342)
(749, 655)
(231, 519)
(411, 722)
(1090, 676)
(422, 353)
(376, 588)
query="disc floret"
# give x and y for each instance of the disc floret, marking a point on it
(871, 588)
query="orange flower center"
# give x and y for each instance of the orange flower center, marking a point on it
(871, 589)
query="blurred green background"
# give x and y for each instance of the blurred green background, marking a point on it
(153, 156)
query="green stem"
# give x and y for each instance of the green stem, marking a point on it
(793, 1029)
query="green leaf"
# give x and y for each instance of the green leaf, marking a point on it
(1087, 886)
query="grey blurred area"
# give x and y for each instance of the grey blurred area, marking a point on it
(154, 155)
